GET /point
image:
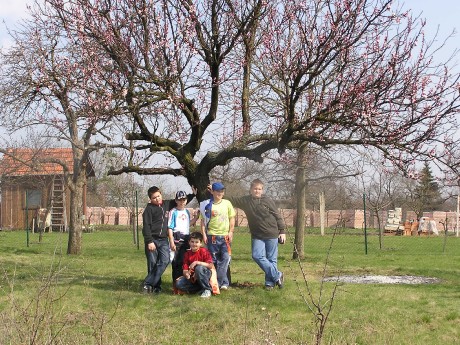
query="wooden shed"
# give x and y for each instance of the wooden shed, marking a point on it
(33, 184)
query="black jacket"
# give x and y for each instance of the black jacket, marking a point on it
(155, 219)
(264, 219)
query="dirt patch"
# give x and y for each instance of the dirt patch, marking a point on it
(371, 279)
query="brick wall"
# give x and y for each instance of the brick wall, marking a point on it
(341, 218)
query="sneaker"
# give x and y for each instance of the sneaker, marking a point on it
(269, 287)
(280, 281)
(157, 290)
(206, 294)
(224, 287)
(147, 289)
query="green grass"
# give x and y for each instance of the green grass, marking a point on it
(94, 298)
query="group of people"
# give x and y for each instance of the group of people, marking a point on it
(200, 255)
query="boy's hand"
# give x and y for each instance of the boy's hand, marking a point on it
(209, 188)
(187, 275)
(230, 236)
(194, 190)
(194, 264)
(151, 247)
(282, 238)
(172, 246)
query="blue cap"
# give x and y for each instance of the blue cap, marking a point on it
(181, 195)
(218, 186)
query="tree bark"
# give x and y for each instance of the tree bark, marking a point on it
(75, 229)
(76, 210)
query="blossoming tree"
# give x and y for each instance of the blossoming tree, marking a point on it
(195, 84)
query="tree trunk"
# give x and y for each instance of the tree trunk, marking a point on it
(76, 212)
(300, 187)
(201, 185)
(379, 223)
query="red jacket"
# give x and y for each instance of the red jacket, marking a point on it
(201, 254)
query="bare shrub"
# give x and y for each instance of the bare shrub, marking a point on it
(320, 305)
(36, 317)
(40, 314)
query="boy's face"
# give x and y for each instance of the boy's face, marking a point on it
(257, 190)
(218, 194)
(180, 203)
(195, 244)
(156, 198)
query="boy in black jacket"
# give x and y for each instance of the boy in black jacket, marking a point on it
(157, 237)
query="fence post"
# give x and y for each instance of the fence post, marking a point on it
(458, 210)
(137, 221)
(365, 224)
(27, 218)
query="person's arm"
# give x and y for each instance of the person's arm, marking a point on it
(203, 222)
(195, 218)
(171, 227)
(185, 268)
(200, 263)
(186, 274)
(231, 221)
(203, 230)
(146, 226)
(192, 195)
(172, 220)
(147, 229)
(172, 245)
(169, 204)
(231, 228)
(238, 201)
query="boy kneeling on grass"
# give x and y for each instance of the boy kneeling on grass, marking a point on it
(197, 268)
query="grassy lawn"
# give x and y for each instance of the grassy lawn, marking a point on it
(48, 297)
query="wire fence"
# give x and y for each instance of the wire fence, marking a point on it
(368, 241)
(434, 232)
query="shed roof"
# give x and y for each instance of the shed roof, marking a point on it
(38, 162)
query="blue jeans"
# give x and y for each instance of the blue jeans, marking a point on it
(202, 276)
(220, 250)
(265, 254)
(157, 261)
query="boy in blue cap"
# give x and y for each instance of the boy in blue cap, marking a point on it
(217, 225)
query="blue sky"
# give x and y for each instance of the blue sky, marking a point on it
(442, 13)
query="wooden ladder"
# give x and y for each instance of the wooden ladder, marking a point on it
(58, 209)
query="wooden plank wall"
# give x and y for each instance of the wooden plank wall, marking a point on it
(13, 213)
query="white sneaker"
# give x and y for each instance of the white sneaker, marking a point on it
(224, 287)
(206, 294)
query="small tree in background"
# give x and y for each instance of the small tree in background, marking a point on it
(427, 192)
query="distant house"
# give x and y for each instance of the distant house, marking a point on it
(33, 185)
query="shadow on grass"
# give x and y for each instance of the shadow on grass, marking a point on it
(134, 284)
(110, 283)
(20, 251)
